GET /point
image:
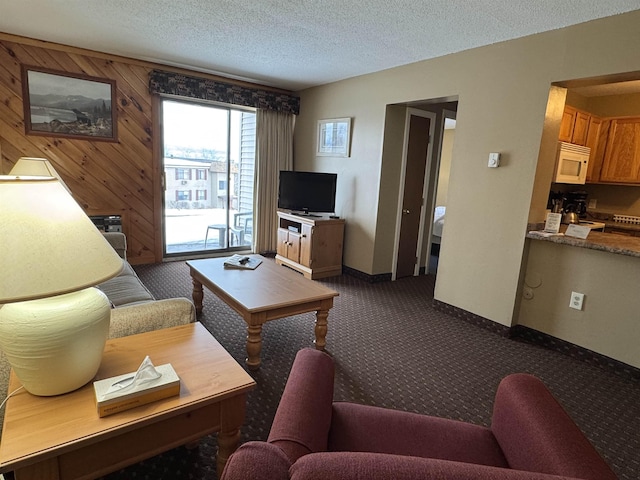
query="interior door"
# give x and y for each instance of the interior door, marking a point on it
(412, 201)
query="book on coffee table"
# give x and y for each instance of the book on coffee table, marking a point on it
(243, 262)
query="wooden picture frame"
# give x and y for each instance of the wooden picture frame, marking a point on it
(62, 104)
(334, 137)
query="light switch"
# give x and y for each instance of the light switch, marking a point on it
(494, 160)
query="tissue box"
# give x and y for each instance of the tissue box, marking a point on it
(165, 386)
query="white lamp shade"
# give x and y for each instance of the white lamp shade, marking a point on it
(32, 166)
(49, 245)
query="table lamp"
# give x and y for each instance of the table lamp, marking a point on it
(53, 324)
(36, 166)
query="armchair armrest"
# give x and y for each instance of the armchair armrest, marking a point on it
(148, 316)
(302, 421)
(257, 461)
(536, 434)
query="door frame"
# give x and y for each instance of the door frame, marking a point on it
(161, 184)
(403, 170)
(431, 200)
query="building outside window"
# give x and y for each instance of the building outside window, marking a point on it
(201, 174)
(183, 195)
(222, 185)
(183, 174)
(201, 194)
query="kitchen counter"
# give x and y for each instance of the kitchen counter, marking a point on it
(632, 228)
(606, 242)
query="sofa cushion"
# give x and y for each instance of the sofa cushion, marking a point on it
(361, 428)
(126, 288)
(537, 435)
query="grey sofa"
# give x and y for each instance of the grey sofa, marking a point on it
(135, 310)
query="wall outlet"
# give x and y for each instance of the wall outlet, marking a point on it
(577, 299)
(593, 202)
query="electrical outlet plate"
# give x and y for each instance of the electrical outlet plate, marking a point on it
(577, 299)
(494, 160)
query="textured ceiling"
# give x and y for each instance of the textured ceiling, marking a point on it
(292, 44)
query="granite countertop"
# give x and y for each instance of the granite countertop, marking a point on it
(606, 242)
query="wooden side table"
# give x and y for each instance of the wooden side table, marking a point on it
(62, 437)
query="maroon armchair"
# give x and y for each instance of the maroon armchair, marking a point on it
(313, 438)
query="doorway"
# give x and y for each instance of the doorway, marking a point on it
(417, 150)
(433, 180)
(208, 177)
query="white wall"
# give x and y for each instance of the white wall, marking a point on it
(502, 92)
(610, 320)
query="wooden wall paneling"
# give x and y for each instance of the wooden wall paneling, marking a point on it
(64, 61)
(106, 177)
(8, 80)
(43, 58)
(133, 172)
(21, 55)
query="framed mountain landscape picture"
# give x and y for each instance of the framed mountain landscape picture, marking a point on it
(68, 105)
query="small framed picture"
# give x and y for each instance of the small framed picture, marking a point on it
(334, 137)
(68, 105)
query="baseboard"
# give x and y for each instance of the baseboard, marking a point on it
(381, 277)
(522, 333)
(529, 335)
(471, 318)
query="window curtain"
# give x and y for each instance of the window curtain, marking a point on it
(274, 152)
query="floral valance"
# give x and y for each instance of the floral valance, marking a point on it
(214, 90)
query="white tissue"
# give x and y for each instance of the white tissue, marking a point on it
(146, 373)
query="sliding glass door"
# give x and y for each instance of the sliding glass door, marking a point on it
(208, 161)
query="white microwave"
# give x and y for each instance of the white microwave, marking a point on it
(571, 163)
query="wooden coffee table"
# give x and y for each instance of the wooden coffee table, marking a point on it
(62, 437)
(267, 293)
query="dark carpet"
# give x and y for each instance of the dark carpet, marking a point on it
(392, 349)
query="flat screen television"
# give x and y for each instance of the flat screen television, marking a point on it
(307, 192)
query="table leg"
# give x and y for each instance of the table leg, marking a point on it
(227, 444)
(232, 416)
(198, 295)
(321, 329)
(254, 345)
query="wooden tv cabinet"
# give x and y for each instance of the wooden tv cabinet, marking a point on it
(312, 245)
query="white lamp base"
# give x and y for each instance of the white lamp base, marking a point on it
(55, 344)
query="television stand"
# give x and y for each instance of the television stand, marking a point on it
(311, 245)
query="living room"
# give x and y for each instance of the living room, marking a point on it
(482, 276)
(484, 247)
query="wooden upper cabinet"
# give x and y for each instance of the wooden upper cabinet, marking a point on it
(580, 128)
(622, 157)
(574, 126)
(568, 122)
(596, 141)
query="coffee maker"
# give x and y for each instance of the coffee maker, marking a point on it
(575, 202)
